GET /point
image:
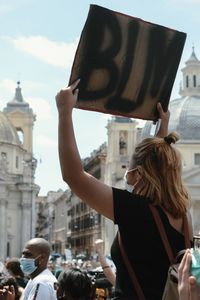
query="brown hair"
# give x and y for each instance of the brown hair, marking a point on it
(13, 265)
(159, 165)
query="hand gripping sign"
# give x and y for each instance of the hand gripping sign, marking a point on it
(126, 65)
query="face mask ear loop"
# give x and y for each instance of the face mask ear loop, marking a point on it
(36, 262)
(128, 187)
(139, 170)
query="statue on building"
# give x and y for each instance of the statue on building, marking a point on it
(122, 145)
(3, 164)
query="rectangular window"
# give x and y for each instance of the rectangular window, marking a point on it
(187, 81)
(197, 159)
(17, 162)
(194, 81)
(77, 208)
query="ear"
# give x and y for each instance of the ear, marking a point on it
(139, 172)
(132, 177)
(138, 176)
(39, 261)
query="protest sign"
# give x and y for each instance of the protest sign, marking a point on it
(126, 65)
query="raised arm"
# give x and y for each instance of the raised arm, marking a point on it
(108, 272)
(164, 121)
(95, 193)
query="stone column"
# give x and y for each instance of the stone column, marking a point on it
(29, 193)
(26, 223)
(3, 228)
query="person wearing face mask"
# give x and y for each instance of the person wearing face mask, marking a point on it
(155, 177)
(42, 283)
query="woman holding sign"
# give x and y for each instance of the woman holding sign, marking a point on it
(154, 177)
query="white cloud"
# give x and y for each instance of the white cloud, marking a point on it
(8, 85)
(45, 141)
(32, 86)
(41, 108)
(9, 5)
(58, 54)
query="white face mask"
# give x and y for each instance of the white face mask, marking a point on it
(129, 187)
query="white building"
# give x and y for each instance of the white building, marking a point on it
(17, 169)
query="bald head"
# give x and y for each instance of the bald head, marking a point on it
(40, 245)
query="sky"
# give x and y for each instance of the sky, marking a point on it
(38, 40)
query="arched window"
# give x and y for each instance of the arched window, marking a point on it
(20, 135)
(123, 136)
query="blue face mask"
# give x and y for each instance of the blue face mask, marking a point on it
(27, 265)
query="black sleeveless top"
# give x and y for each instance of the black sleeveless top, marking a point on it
(143, 246)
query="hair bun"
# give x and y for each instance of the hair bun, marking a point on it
(173, 137)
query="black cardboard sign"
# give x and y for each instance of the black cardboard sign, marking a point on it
(126, 65)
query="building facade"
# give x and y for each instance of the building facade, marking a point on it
(86, 224)
(17, 169)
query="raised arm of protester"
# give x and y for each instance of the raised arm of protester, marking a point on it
(89, 189)
(109, 273)
(163, 122)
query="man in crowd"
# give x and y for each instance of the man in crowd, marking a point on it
(42, 283)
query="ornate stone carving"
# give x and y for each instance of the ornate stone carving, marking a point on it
(3, 164)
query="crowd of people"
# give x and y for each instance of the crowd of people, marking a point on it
(36, 275)
(72, 280)
(154, 185)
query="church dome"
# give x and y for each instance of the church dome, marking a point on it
(185, 111)
(185, 117)
(8, 133)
